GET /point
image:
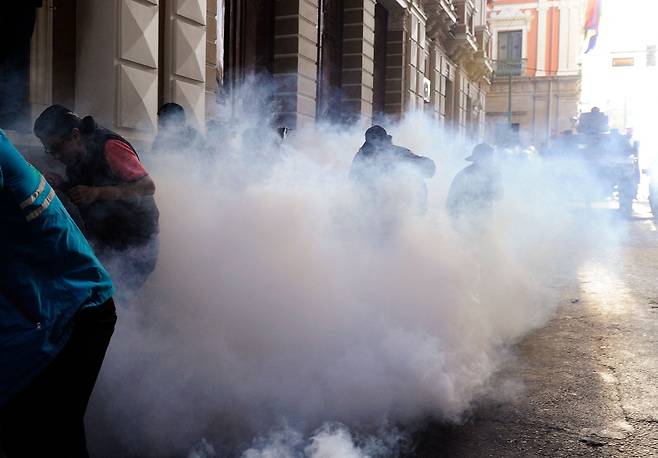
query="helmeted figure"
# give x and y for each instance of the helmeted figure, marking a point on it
(475, 189)
(174, 134)
(379, 160)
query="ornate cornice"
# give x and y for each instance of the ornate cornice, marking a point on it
(510, 16)
(441, 18)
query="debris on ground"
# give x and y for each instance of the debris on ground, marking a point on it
(593, 441)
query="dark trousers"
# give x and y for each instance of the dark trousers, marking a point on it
(129, 268)
(46, 418)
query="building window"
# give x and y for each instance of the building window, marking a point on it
(450, 111)
(510, 52)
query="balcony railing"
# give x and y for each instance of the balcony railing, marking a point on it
(482, 37)
(441, 17)
(506, 68)
(464, 43)
(481, 58)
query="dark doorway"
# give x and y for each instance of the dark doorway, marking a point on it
(259, 52)
(330, 60)
(450, 103)
(16, 28)
(379, 83)
(64, 51)
(248, 39)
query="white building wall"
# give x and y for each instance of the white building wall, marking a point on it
(185, 57)
(118, 81)
(137, 79)
(95, 78)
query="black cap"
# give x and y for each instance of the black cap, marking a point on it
(376, 133)
(56, 121)
(172, 111)
(481, 152)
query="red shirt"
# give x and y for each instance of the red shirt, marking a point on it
(123, 161)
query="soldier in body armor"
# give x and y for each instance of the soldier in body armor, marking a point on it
(174, 134)
(474, 190)
(380, 160)
(111, 188)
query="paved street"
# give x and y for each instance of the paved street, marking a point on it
(590, 376)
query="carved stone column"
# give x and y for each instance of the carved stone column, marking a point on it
(118, 82)
(358, 58)
(185, 57)
(396, 61)
(295, 61)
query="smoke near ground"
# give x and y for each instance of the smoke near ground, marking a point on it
(291, 316)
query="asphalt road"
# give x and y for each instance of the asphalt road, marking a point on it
(590, 377)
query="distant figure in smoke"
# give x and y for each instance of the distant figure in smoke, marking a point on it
(566, 145)
(56, 317)
(380, 158)
(174, 135)
(594, 122)
(475, 189)
(261, 148)
(218, 138)
(283, 133)
(113, 191)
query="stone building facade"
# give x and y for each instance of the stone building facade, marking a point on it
(336, 60)
(121, 59)
(384, 59)
(540, 43)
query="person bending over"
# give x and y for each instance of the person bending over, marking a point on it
(56, 317)
(111, 188)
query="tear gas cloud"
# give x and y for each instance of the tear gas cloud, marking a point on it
(283, 301)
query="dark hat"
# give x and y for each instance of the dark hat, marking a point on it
(481, 152)
(376, 133)
(55, 121)
(172, 111)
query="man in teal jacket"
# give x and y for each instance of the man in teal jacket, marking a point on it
(56, 316)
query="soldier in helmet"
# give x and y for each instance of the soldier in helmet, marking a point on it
(475, 189)
(379, 159)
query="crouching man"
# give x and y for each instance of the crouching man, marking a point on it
(56, 316)
(111, 188)
(379, 158)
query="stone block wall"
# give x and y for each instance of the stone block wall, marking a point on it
(295, 61)
(358, 59)
(185, 57)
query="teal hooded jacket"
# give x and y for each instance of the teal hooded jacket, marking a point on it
(48, 272)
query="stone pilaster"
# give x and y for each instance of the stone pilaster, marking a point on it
(396, 58)
(295, 61)
(185, 57)
(212, 41)
(358, 59)
(118, 82)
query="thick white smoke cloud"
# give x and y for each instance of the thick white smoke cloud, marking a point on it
(331, 440)
(281, 296)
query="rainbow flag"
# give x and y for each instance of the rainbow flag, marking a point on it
(592, 19)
